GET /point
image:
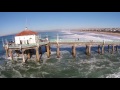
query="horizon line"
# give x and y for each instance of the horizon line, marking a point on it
(62, 29)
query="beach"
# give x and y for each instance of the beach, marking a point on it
(105, 33)
(83, 66)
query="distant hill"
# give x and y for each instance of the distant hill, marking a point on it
(35, 31)
(8, 34)
(55, 30)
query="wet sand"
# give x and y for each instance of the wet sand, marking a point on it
(105, 33)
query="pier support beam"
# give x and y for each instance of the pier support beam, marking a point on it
(18, 53)
(7, 52)
(116, 48)
(58, 51)
(74, 51)
(11, 54)
(23, 56)
(40, 50)
(45, 48)
(88, 49)
(99, 49)
(48, 51)
(28, 54)
(37, 54)
(113, 49)
(102, 49)
(108, 48)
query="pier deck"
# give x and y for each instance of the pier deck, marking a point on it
(85, 42)
(66, 41)
(27, 48)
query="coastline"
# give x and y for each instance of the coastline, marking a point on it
(105, 33)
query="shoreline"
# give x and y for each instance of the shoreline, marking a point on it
(105, 33)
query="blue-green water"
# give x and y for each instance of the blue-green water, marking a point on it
(94, 66)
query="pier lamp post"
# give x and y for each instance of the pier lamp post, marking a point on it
(3, 42)
(57, 38)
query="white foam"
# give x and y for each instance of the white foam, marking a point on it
(115, 75)
(17, 74)
(2, 76)
(2, 68)
(67, 32)
(89, 36)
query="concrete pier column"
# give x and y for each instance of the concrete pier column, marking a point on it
(23, 56)
(89, 49)
(113, 49)
(7, 52)
(45, 48)
(102, 49)
(58, 51)
(99, 49)
(18, 53)
(74, 51)
(11, 54)
(28, 54)
(40, 50)
(37, 54)
(116, 48)
(86, 49)
(48, 51)
(108, 48)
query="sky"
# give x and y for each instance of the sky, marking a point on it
(15, 22)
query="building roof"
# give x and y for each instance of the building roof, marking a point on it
(26, 32)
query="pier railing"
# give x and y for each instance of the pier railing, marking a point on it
(85, 41)
(67, 41)
(27, 45)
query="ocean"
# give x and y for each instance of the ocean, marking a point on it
(83, 66)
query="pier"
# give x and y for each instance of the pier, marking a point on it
(28, 43)
(26, 50)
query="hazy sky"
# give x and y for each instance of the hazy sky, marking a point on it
(13, 22)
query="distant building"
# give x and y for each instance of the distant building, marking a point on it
(26, 37)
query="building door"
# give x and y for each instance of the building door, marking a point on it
(27, 42)
(20, 42)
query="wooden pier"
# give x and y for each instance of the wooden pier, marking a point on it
(26, 50)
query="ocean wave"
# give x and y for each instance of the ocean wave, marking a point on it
(115, 75)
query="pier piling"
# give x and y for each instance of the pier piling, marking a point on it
(45, 48)
(108, 48)
(28, 54)
(99, 49)
(40, 50)
(58, 51)
(48, 51)
(102, 49)
(7, 52)
(74, 51)
(88, 50)
(113, 49)
(23, 56)
(11, 54)
(116, 47)
(37, 54)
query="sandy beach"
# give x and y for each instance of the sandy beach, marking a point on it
(105, 33)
